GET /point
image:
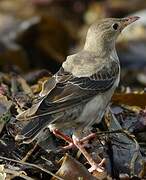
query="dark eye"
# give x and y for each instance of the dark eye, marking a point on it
(115, 26)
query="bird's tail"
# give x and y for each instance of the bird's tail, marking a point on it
(33, 128)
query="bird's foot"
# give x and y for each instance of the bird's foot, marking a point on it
(80, 144)
(87, 138)
(66, 138)
(61, 135)
(68, 147)
(94, 166)
(83, 141)
(97, 167)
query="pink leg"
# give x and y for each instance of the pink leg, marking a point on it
(59, 134)
(94, 165)
(79, 144)
(66, 138)
(87, 138)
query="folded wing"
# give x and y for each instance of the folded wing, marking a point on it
(70, 91)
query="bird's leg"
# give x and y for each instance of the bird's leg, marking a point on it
(79, 144)
(94, 165)
(61, 135)
(66, 138)
(87, 138)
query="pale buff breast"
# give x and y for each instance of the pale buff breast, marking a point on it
(95, 108)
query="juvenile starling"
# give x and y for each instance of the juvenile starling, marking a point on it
(82, 89)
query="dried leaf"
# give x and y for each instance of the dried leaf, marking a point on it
(26, 88)
(71, 169)
(124, 152)
(2, 173)
(130, 99)
(4, 111)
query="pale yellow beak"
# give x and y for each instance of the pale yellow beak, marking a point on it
(128, 20)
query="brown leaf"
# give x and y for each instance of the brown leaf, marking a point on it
(130, 99)
(71, 169)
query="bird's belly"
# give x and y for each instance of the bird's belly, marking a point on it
(85, 115)
(67, 119)
(95, 108)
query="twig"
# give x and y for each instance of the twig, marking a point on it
(29, 153)
(32, 165)
(110, 132)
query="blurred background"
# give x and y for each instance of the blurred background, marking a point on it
(37, 35)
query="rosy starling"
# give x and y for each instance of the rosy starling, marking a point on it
(82, 89)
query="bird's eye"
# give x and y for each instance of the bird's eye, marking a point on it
(115, 26)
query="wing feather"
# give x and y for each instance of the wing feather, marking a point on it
(72, 91)
(69, 93)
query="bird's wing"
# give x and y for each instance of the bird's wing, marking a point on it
(71, 91)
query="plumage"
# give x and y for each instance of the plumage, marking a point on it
(80, 91)
(70, 91)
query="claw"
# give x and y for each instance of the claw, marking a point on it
(97, 167)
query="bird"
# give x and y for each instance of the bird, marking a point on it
(80, 92)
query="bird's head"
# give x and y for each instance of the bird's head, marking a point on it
(102, 34)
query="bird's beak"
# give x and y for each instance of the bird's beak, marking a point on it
(128, 20)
